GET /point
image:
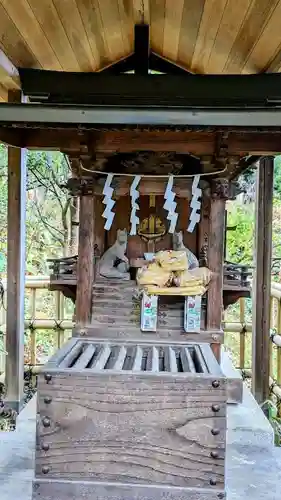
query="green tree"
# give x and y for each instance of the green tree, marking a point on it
(240, 241)
(47, 208)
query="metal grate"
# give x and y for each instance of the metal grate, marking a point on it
(135, 358)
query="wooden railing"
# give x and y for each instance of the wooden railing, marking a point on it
(66, 267)
(237, 275)
(238, 338)
(53, 318)
(234, 274)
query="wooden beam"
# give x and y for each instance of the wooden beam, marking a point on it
(14, 375)
(85, 265)
(215, 256)
(148, 186)
(9, 75)
(141, 53)
(12, 137)
(127, 141)
(122, 66)
(163, 65)
(262, 280)
(180, 90)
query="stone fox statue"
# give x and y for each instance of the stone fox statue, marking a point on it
(179, 245)
(114, 263)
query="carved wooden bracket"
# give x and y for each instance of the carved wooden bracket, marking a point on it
(224, 189)
(83, 186)
(220, 189)
(221, 150)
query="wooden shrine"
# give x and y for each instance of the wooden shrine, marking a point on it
(110, 354)
(125, 414)
(114, 394)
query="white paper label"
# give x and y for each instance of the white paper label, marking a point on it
(149, 313)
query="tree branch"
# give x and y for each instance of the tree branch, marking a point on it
(49, 227)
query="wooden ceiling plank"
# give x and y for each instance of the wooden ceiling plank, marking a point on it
(157, 24)
(265, 55)
(23, 17)
(112, 29)
(48, 18)
(3, 93)
(126, 19)
(275, 65)
(210, 22)
(172, 26)
(72, 22)
(13, 44)
(92, 21)
(140, 10)
(9, 75)
(191, 19)
(250, 31)
(231, 22)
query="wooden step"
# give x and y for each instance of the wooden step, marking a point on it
(176, 333)
(124, 312)
(132, 305)
(164, 321)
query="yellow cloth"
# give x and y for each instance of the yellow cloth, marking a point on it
(153, 274)
(202, 273)
(171, 260)
(174, 290)
(193, 277)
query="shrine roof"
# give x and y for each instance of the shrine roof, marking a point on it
(203, 36)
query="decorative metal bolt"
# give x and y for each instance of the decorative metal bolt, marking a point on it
(45, 469)
(216, 408)
(215, 432)
(214, 454)
(215, 337)
(213, 481)
(46, 422)
(48, 377)
(216, 384)
(45, 446)
(47, 400)
(83, 333)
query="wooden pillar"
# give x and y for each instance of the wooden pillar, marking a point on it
(262, 280)
(74, 209)
(14, 373)
(74, 225)
(216, 257)
(203, 231)
(85, 265)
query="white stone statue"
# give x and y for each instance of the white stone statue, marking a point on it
(114, 263)
(178, 244)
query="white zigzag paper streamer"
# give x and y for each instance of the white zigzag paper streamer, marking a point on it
(109, 202)
(195, 204)
(170, 205)
(135, 206)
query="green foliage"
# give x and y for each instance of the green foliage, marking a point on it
(240, 241)
(277, 176)
(47, 208)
